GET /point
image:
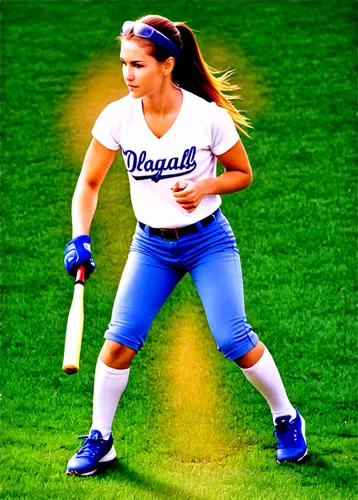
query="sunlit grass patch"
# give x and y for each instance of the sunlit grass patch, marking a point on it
(98, 85)
(197, 416)
(255, 95)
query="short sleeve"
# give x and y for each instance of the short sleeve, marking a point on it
(107, 128)
(223, 131)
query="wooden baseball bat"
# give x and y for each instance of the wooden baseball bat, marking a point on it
(74, 330)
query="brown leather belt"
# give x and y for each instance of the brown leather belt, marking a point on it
(175, 234)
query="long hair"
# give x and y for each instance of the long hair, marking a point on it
(191, 72)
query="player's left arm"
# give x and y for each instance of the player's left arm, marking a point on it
(237, 176)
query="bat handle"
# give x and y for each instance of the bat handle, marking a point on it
(80, 275)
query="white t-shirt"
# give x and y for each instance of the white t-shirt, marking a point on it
(201, 131)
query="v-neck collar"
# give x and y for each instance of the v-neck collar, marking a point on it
(174, 126)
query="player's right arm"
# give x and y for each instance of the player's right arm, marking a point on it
(97, 162)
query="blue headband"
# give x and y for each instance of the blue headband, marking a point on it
(146, 31)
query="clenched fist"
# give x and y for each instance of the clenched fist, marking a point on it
(188, 194)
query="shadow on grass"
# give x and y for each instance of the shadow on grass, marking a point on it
(145, 482)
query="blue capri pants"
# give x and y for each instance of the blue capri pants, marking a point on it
(155, 266)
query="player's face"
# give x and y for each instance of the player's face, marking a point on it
(142, 73)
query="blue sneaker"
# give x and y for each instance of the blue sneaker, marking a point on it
(94, 450)
(290, 434)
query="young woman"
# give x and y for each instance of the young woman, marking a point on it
(171, 127)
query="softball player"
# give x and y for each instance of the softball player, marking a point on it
(171, 128)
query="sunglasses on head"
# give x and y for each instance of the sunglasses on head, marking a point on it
(145, 31)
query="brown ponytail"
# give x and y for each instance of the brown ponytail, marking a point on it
(191, 71)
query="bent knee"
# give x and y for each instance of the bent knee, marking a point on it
(117, 355)
(238, 340)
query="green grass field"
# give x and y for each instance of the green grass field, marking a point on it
(189, 426)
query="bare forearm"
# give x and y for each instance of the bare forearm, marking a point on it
(228, 182)
(190, 193)
(84, 205)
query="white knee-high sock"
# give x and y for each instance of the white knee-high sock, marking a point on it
(109, 385)
(265, 377)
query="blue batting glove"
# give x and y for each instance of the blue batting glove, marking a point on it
(78, 253)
